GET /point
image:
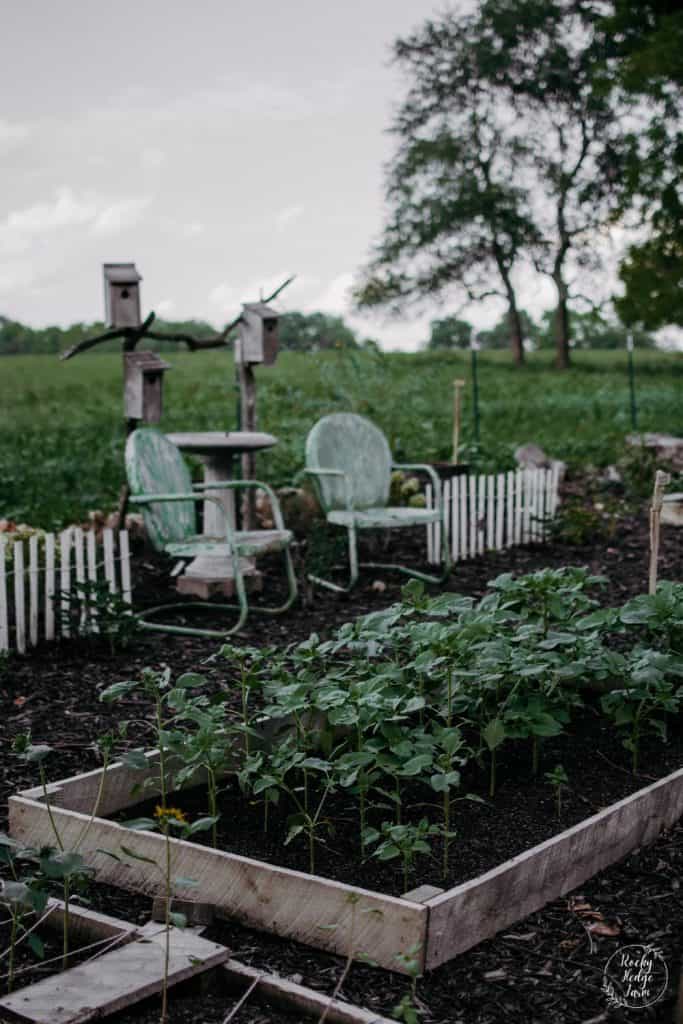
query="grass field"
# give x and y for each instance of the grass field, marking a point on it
(61, 425)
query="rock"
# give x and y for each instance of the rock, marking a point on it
(672, 510)
(300, 509)
(532, 456)
(666, 447)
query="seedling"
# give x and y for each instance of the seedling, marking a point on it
(559, 780)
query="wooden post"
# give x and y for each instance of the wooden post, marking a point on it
(661, 480)
(458, 385)
(248, 417)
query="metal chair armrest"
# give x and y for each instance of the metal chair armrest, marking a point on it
(150, 499)
(348, 486)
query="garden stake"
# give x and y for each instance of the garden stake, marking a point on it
(475, 389)
(661, 481)
(458, 385)
(632, 381)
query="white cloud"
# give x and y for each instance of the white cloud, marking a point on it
(120, 215)
(25, 228)
(335, 298)
(288, 215)
(152, 158)
(194, 228)
(12, 133)
(66, 211)
(165, 308)
(15, 275)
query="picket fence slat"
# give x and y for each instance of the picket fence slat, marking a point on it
(28, 589)
(4, 616)
(33, 589)
(50, 586)
(494, 512)
(19, 599)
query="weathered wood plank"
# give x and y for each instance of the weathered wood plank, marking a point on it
(290, 996)
(289, 903)
(33, 589)
(120, 978)
(19, 598)
(87, 925)
(4, 620)
(476, 910)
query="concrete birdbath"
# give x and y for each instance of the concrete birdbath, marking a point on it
(208, 575)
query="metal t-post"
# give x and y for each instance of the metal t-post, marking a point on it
(475, 389)
(632, 381)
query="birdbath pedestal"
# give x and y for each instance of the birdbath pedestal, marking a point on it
(208, 574)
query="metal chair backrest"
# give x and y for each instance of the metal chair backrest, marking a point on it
(356, 446)
(155, 466)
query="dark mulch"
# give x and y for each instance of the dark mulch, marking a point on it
(548, 971)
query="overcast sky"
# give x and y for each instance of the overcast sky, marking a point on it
(220, 145)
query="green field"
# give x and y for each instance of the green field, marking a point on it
(61, 425)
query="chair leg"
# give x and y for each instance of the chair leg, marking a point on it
(242, 605)
(413, 573)
(353, 567)
(293, 589)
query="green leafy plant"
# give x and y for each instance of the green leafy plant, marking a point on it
(89, 609)
(650, 695)
(559, 780)
(59, 864)
(22, 895)
(167, 701)
(402, 841)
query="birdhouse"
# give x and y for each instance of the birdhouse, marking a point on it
(122, 295)
(258, 335)
(142, 385)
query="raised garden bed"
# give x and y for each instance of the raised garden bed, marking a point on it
(319, 911)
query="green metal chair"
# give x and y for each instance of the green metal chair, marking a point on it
(160, 483)
(350, 461)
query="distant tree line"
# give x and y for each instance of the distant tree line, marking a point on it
(589, 330)
(299, 332)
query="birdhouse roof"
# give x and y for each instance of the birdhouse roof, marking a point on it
(261, 309)
(121, 273)
(146, 362)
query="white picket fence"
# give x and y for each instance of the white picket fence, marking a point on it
(34, 590)
(494, 512)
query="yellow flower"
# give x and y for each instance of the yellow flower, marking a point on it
(166, 813)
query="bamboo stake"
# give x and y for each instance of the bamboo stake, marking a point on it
(661, 480)
(458, 385)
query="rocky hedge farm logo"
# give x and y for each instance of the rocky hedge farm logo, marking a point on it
(635, 977)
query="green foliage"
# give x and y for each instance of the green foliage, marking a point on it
(68, 416)
(579, 523)
(313, 332)
(93, 612)
(652, 692)
(448, 333)
(559, 780)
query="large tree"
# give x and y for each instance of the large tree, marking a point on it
(502, 143)
(457, 222)
(643, 67)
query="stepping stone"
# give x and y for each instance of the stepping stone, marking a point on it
(115, 980)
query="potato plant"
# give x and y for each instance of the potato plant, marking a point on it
(417, 701)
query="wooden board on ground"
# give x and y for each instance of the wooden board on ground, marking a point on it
(115, 980)
(287, 994)
(476, 910)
